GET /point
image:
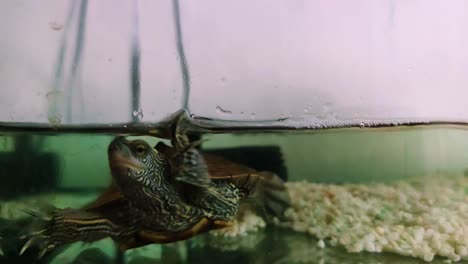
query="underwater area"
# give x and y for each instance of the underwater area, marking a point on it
(384, 195)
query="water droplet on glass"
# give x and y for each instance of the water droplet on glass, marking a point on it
(138, 113)
(222, 111)
(55, 26)
(55, 120)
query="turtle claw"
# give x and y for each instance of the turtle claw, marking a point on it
(39, 240)
(1, 250)
(26, 245)
(45, 250)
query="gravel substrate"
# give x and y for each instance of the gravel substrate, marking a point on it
(423, 218)
(247, 222)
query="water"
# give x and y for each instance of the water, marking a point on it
(410, 177)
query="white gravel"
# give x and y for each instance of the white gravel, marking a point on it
(424, 218)
(246, 222)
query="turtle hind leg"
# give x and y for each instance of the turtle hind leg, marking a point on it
(65, 226)
(272, 195)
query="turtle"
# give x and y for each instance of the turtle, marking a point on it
(160, 194)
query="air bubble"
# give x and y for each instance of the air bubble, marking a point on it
(138, 113)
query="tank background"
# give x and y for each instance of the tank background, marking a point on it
(329, 157)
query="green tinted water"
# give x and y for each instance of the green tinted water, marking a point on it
(70, 170)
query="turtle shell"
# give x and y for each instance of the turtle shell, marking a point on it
(112, 201)
(218, 169)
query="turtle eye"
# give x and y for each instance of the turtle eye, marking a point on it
(140, 149)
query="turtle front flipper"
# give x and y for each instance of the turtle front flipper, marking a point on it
(186, 162)
(187, 165)
(64, 226)
(193, 169)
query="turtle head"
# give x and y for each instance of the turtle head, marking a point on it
(135, 159)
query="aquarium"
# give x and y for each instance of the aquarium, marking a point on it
(259, 132)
